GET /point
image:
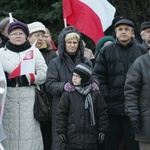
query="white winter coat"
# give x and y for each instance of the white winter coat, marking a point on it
(22, 130)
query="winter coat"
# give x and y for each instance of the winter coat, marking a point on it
(2, 97)
(59, 72)
(137, 95)
(145, 45)
(73, 119)
(112, 64)
(3, 40)
(22, 130)
(48, 56)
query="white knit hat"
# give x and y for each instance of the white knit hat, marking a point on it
(36, 26)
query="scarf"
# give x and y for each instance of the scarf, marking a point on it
(18, 48)
(88, 101)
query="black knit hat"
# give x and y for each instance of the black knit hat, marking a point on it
(18, 24)
(84, 70)
(144, 25)
(124, 21)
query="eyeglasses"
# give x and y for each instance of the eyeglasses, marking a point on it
(16, 34)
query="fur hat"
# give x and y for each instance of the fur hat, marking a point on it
(84, 70)
(144, 25)
(18, 24)
(124, 21)
(36, 26)
(4, 22)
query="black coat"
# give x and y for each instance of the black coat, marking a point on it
(137, 95)
(111, 66)
(73, 119)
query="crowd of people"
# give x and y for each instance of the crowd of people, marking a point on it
(98, 98)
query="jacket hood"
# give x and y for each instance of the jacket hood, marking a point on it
(61, 43)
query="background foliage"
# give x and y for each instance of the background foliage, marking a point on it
(49, 12)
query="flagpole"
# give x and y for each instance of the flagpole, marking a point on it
(65, 22)
(10, 18)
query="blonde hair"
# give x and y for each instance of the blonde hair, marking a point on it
(71, 36)
(47, 31)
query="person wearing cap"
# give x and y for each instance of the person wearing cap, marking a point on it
(21, 129)
(145, 34)
(111, 66)
(82, 112)
(71, 53)
(3, 31)
(38, 31)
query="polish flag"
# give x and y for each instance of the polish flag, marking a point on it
(26, 66)
(90, 17)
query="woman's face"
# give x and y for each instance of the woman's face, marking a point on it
(39, 36)
(17, 36)
(72, 45)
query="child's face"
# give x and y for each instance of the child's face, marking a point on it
(76, 79)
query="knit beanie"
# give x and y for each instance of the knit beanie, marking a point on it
(36, 26)
(84, 70)
(4, 22)
(102, 41)
(18, 24)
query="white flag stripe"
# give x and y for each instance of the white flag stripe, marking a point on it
(103, 9)
(27, 66)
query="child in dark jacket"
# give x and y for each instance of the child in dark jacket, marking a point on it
(82, 118)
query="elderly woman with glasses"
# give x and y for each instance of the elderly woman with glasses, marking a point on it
(24, 68)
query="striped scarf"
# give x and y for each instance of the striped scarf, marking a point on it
(88, 101)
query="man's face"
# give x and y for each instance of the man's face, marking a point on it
(145, 35)
(124, 33)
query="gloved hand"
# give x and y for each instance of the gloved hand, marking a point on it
(62, 138)
(95, 86)
(101, 137)
(27, 79)
(1, 147)
(135, 122)
(68, 87)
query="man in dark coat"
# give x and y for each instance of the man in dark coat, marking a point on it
(111, 66)
(137, 102)
(70, 53)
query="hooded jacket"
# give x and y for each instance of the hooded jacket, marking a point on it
(58, 73)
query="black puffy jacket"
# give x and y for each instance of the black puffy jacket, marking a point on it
(111, 67)
(74, 120)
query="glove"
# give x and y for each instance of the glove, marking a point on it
(95, 86)
(1, 147)
(27, 79)
(135, 123)
(101, 137)
(62, 138)
(68, 87)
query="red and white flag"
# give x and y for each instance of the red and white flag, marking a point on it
(90, 17)
(26, 66)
